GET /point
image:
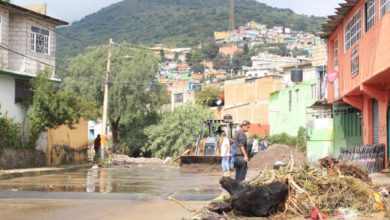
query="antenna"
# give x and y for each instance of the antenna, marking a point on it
(231, 16)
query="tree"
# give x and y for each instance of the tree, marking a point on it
(176, 130)
(133, 94)
(52, 108)
(207, 95)
(210, 51)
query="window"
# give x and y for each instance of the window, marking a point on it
(369, 14)
(289, 100)
(352, 31)
(313, 91)
(23, 91)
(178, 97)
(355, 61)
(384, 7)
(40, 40)
(335, 52)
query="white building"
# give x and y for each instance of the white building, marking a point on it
(27, 45)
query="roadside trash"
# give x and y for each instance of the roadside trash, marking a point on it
(95, 167)
(279, 164)
(167, 160)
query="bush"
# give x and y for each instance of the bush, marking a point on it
(10, 134)
(298, 142)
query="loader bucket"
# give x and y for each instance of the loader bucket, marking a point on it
(200, 164)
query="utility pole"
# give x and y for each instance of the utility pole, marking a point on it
(105, 102)
(231, 16)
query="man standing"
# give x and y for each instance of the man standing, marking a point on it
(96, 146)
(240, 156)
(255, 148)
(225, 154)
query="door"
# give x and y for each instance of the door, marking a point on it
(375, 121)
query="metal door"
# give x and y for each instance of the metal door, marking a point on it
(375, 121)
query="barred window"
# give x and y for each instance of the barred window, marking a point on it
(178, 97)
(23, 91)
(355, 61)
(384, 7)
(335, 52)
(369, 14)
(40, 40)
(352, 31)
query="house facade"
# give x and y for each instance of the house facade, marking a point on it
(27, 45)
(359, 66)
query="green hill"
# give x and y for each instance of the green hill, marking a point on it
(173, 22)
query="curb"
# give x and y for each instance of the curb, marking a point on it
(11, 174)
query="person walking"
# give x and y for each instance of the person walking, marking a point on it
(225, 154)
(97, 146)
(255, 148)
(240, 155)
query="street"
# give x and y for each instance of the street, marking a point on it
(116, 193)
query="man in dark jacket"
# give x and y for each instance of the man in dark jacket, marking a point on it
(97, 145)
(241, 149)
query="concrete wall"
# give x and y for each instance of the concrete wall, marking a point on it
(282, 120)
(4, 38)
(20, 41)
(7, 99)
(22, 158)
(248, 99)
(65, 145)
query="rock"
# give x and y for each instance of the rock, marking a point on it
(255, 201)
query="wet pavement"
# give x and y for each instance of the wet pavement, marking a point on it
(132, 192)
(146, 182)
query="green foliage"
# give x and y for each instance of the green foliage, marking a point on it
(298, 142)
(173, 22)
(301, 140)
(10, 134)
(133, 94)
(207, 95)
(52, 108)
(176, 130)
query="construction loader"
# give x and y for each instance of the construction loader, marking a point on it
(204, 155)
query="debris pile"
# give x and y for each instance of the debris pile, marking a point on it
(311, 190)
(126, 160)
(334, 167)
(267, 158)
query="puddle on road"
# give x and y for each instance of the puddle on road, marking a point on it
(152, 181)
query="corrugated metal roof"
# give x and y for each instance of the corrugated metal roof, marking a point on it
(334, 20)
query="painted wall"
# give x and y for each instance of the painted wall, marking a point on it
(282, 120)
(7, 99)
(372, 80)
(64, 137)
(374, 46)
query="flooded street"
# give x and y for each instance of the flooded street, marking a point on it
(133, 192)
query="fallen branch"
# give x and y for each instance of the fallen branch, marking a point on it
(171, 198)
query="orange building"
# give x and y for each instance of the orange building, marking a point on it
(248, 99)
(229, 50)
(359, 64)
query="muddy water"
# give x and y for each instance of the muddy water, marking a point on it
(141, 183)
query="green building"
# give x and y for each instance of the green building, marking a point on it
(287, 108)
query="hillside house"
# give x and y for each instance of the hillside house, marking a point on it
(27, 45)
(358, 47)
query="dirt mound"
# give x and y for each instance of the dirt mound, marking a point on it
(277, 152)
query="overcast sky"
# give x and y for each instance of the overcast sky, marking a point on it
(73, 10)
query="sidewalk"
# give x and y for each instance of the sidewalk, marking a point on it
(15, 173)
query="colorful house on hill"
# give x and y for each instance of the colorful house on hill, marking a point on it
(359, 69)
